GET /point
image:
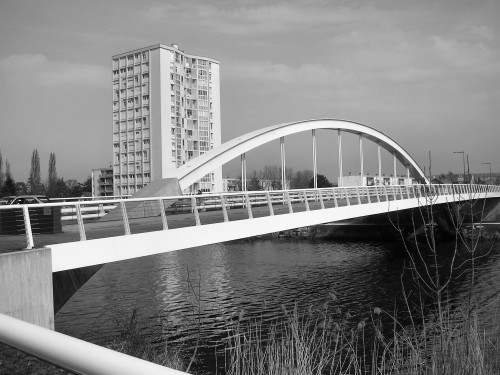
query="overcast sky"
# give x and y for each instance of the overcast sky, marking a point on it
(426, 73)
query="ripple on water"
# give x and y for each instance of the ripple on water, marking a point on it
(253, 278)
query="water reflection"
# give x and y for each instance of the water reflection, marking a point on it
(250, 279)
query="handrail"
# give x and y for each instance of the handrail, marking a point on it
(353, 195)
(463, 188)
(73, 354)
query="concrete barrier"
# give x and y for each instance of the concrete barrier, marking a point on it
(26, 286)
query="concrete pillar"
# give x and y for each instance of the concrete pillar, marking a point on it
(26, 291)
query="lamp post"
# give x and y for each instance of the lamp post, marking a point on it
(489, 182)
(463, 159)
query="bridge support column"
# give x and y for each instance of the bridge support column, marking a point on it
(341, 182)
(379, 161)
(283, 163)
(26, 291)
(243, 172)
(361, 157)
(315, 169)
(395, 170)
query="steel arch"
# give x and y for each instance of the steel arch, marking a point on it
(198, 167)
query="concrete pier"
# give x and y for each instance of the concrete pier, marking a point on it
(26, 286)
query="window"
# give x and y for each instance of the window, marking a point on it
(146, 142)
(145, 97)
(146, 174)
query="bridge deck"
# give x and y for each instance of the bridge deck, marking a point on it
(96, 230)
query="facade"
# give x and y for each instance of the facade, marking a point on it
(234, 184)
(102, 182)
(166, 111)
(375, 180)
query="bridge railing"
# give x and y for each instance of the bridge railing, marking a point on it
(69, 353)
(24, 226)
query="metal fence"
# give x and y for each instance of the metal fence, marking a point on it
(23, 226)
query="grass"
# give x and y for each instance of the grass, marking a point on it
(313, 344)
(134, 342)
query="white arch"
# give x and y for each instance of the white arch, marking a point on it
(198, 167)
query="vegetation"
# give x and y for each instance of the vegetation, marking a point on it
(54, 187)
(316, 343)
(270, 179)
(35, 180)
(437, 338)
(321, 180)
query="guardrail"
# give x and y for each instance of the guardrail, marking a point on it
(99, 198)
(69, 353)
(37, 219)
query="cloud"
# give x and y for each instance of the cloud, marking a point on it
(467, 54)
(263, 19)
(306, 74)
(37, 69)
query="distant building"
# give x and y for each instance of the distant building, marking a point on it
(102, 182)
(166, 111)
(231, 184)
(375, 180)
(234, 184)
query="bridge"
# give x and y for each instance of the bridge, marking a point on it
(160, 219)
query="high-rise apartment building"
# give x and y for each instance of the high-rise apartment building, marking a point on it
(166, 111)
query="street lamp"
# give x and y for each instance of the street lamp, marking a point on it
(463, 159)
(490, 171)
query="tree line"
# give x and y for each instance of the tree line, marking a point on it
(270, 179)
(53, 187)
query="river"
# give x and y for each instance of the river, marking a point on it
(251, 279)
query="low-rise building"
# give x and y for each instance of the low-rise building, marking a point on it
(102, 182)
(375, 180)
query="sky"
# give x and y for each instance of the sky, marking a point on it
(426, 73)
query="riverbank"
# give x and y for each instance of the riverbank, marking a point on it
(253, 281)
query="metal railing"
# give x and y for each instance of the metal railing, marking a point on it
(36, 220)
(69, 353)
